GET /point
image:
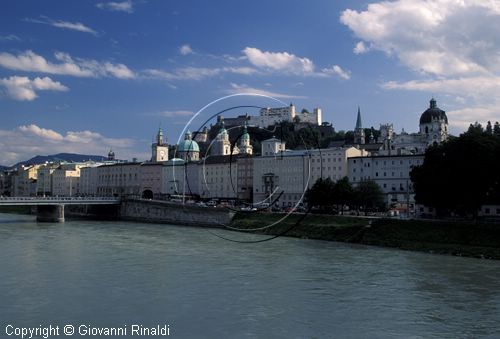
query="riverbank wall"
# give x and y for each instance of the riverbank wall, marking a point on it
(443, 237)
(155, 211)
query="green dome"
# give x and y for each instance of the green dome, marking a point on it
(188, 146)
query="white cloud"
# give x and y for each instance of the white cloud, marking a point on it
(478, 87)
(337, 70)
(196, 73)
(24, 89)
(27, 141)
(74, 26)
(124, 6)
(453, 46)
(10, 37)
(360, 48)
(178, 113)
(279, 61)
(462, 118)
(119, 71)
(445, 38)
(235, 89)
(185, 50)
(32, 62)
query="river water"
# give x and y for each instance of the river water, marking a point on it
(115, 274)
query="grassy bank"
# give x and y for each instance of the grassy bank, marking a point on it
(457, 238)
(322, 227)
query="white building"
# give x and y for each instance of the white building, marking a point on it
(218, 177)
(151, 179)
(119, 179)
(24, 181)
(391, 173)
(332, 162)
(89, 179)
(66, 180)
(281, 177)
(433, 129)
(271, 147)
(174, 177)
(270, 116)
(44, 179)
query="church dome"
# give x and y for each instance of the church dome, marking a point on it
(433, 113)
(188, 146)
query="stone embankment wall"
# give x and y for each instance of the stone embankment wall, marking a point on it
(172, 213)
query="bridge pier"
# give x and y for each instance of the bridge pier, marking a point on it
(50, 213)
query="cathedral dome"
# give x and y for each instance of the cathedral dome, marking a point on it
(433, 113)
(188, 144)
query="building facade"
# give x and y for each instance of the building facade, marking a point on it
(391, 173)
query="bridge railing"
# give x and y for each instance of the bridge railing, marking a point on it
(59, 199)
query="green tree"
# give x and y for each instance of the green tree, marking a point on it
(489, 128)
(496, 129)
(460, 175)
(343, 194)
(321, 194)
(369, 196)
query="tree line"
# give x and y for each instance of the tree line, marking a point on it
(327, 196)
(459, 176)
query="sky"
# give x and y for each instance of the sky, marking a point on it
(89, 76)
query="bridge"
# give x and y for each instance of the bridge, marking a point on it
(51, 209)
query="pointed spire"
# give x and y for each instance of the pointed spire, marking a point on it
(433, 103)
(358, 120)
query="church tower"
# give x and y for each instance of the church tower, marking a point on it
(159, 149)
(222, 145)
(111, 155)
(359, 132)
(245, 146)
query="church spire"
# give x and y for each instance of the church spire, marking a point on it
(358, 120)
(359, 132)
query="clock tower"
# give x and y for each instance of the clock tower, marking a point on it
(159, 148)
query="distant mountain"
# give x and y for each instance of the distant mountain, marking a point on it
(69, 157)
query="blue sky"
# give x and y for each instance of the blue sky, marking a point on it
(86, 76)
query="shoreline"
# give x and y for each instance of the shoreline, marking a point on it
(469, 239)
(477, 240)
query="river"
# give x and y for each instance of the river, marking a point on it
(116, 274)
